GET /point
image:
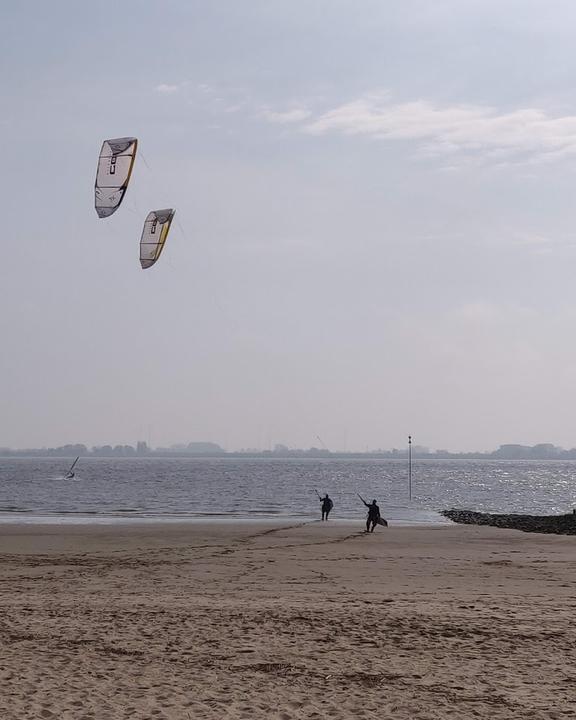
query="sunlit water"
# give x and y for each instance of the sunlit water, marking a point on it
(112, 490)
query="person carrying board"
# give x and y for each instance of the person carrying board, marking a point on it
(373, 518)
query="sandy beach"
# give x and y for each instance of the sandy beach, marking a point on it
(313, 620)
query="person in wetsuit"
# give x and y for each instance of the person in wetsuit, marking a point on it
(373, 515)
(326, 506)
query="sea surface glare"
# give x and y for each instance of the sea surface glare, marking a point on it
(117, 490)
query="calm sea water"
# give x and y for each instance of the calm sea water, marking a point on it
(112, 490)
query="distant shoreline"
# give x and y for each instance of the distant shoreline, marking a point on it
(563, 456)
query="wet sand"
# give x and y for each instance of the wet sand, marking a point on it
(269, 621)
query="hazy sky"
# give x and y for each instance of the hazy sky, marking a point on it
(376, 236)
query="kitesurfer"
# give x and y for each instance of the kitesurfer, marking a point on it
(327, 505)
(373, 516)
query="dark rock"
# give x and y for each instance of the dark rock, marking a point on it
(558, 524)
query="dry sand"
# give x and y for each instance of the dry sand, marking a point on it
(307, 621)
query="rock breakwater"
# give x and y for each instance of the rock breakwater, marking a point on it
(558, 524)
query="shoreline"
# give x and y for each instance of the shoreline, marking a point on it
(427, 518)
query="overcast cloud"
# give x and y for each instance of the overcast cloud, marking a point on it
(375, 237)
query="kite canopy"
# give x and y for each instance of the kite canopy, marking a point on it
(114, 169)
(154, 234)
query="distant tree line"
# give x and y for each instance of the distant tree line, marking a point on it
(73, 450)
(141, 449)
(542, 451)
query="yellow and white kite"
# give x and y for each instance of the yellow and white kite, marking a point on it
(154, 234)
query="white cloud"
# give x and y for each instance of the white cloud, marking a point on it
(525, 134)
(484, 312)
(235, 108)
(167, 89)
(532, 240)
(289, 116)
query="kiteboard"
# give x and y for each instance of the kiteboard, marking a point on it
(382, 521)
